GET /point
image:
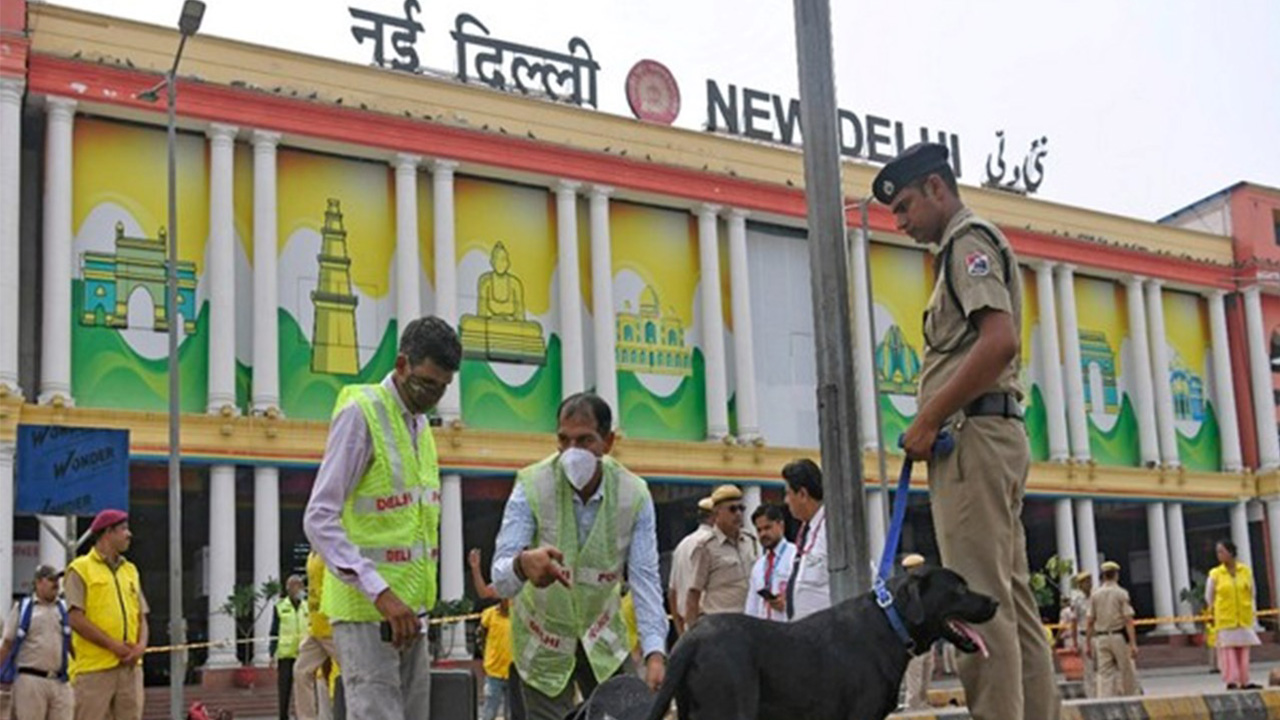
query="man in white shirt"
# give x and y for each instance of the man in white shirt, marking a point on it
(682, 564)
(765, 596)
(808, 590)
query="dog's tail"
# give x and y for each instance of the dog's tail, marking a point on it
(681, 656)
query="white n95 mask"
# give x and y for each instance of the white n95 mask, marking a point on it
(579, 466)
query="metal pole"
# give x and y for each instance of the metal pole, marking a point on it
(177, 623)
(871, 318)
(848, 558)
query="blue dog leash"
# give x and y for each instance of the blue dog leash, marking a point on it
(943, 444)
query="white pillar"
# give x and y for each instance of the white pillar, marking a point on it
(1065, 526)
(573, 371)
(602, 300)
(11, 90)
(1143, 400)
(1224, 392)
(1161, 582)
(266, 548)
(222, 563)
(266, 335)
(1087, 537)
(222, 268)
(408, 263)
(6, 521)
(1159, 348)
(751, 500)
(1178, 560)
(743, 334)
(875, 523)
(864, 347)
(451, 552)
(712, 321)
(1264, 413)
(1051, 364)
(1240, 532)
(450, 406)
(1273, 537)
(55, 332)
(1072, 368)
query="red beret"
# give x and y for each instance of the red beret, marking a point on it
(108, 518)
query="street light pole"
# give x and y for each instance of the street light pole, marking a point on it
(849, 559)
(188, 24)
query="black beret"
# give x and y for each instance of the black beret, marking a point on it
(913, 163)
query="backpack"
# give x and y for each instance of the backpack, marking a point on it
(10, 670)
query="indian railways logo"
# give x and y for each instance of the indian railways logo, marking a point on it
(652, 92)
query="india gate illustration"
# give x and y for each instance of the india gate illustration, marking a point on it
(110, 278)
(897, 363)
(651, 342)
(499, 330)
(1098, 363)
(333, 336)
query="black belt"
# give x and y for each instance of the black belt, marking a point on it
(1109, 632)
(996, 405)
(46, 674)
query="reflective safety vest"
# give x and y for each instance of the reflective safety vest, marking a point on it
(111, 603)
(393, 514)
(1232, 597)
(320, 627)
(293, 626)
(549, 623)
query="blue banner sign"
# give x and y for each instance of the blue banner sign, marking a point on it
(71, 470)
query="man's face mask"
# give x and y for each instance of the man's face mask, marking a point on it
(579, 466)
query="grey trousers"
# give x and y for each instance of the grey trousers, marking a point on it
(380, 682)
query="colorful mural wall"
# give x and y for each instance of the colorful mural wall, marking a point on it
(1034, 369)
(120, 313)
(1190, 350)
(656, 282)
(901, 282)
(1106, 359)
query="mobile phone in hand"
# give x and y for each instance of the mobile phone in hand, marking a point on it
(384, 628)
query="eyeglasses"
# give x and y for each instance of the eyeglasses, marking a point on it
(737, 508)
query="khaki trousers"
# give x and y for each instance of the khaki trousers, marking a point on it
(37, 698)
(1117, 676)
(976, 496)
(114, 694)
(311, 656)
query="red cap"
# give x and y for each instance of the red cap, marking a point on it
(108, 518)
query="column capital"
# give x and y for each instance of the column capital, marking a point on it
(12, 88)
(601, 191)
(406, 161)
(1066, 268)
(1135, 279)
(737, 214)
(222, 132)
(61, 106)
(706, 209)
(1215, 294)
(1156, 283)
(1043, 266)
(1253, 290)
(265, 140)
(567, 186)
(443, 168)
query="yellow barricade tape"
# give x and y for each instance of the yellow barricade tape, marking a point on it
(1273, 612)
(245, 641)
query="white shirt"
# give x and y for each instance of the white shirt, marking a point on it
(776, 564)
(812, 583)
(682, 566)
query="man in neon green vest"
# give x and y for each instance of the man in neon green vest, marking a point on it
(577, 521)
(374, 518)
(288, 628)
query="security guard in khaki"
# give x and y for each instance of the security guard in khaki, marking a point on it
(1112, 640)
(969, 384)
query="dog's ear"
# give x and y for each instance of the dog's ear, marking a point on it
(914, 611)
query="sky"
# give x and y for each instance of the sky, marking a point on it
(1148, 105)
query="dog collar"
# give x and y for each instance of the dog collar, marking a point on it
(885, 600)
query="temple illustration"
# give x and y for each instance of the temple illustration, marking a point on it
(499, 330)
(651, 342)
(110, 278)
(1098, 363)
(897, 363)
(333, 335)
(1188, 391)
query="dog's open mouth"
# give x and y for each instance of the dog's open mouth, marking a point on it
(966, 638)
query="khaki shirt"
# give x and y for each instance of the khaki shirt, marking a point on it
(977, 270)
(1110, 608)
(722, 571)
(42, 649)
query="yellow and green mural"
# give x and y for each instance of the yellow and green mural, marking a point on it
(1033, 370)
(336, 236)
(1105, 359)
(1189, 347)
(656, 280)
(508, 317)
(901, 281)
(120, 313)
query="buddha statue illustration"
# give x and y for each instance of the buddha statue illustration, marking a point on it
(498, 330)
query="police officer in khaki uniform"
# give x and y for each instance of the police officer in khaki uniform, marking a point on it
(722, 560)
(969, 383)
(1082, 588)
(1110, 625)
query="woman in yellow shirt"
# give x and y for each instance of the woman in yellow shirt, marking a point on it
(1231, 595)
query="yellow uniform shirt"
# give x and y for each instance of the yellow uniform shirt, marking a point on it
(497, 642)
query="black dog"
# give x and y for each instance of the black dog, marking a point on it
(844, 663)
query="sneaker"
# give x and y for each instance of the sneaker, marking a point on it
(1232, 686)
(1252, 686)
